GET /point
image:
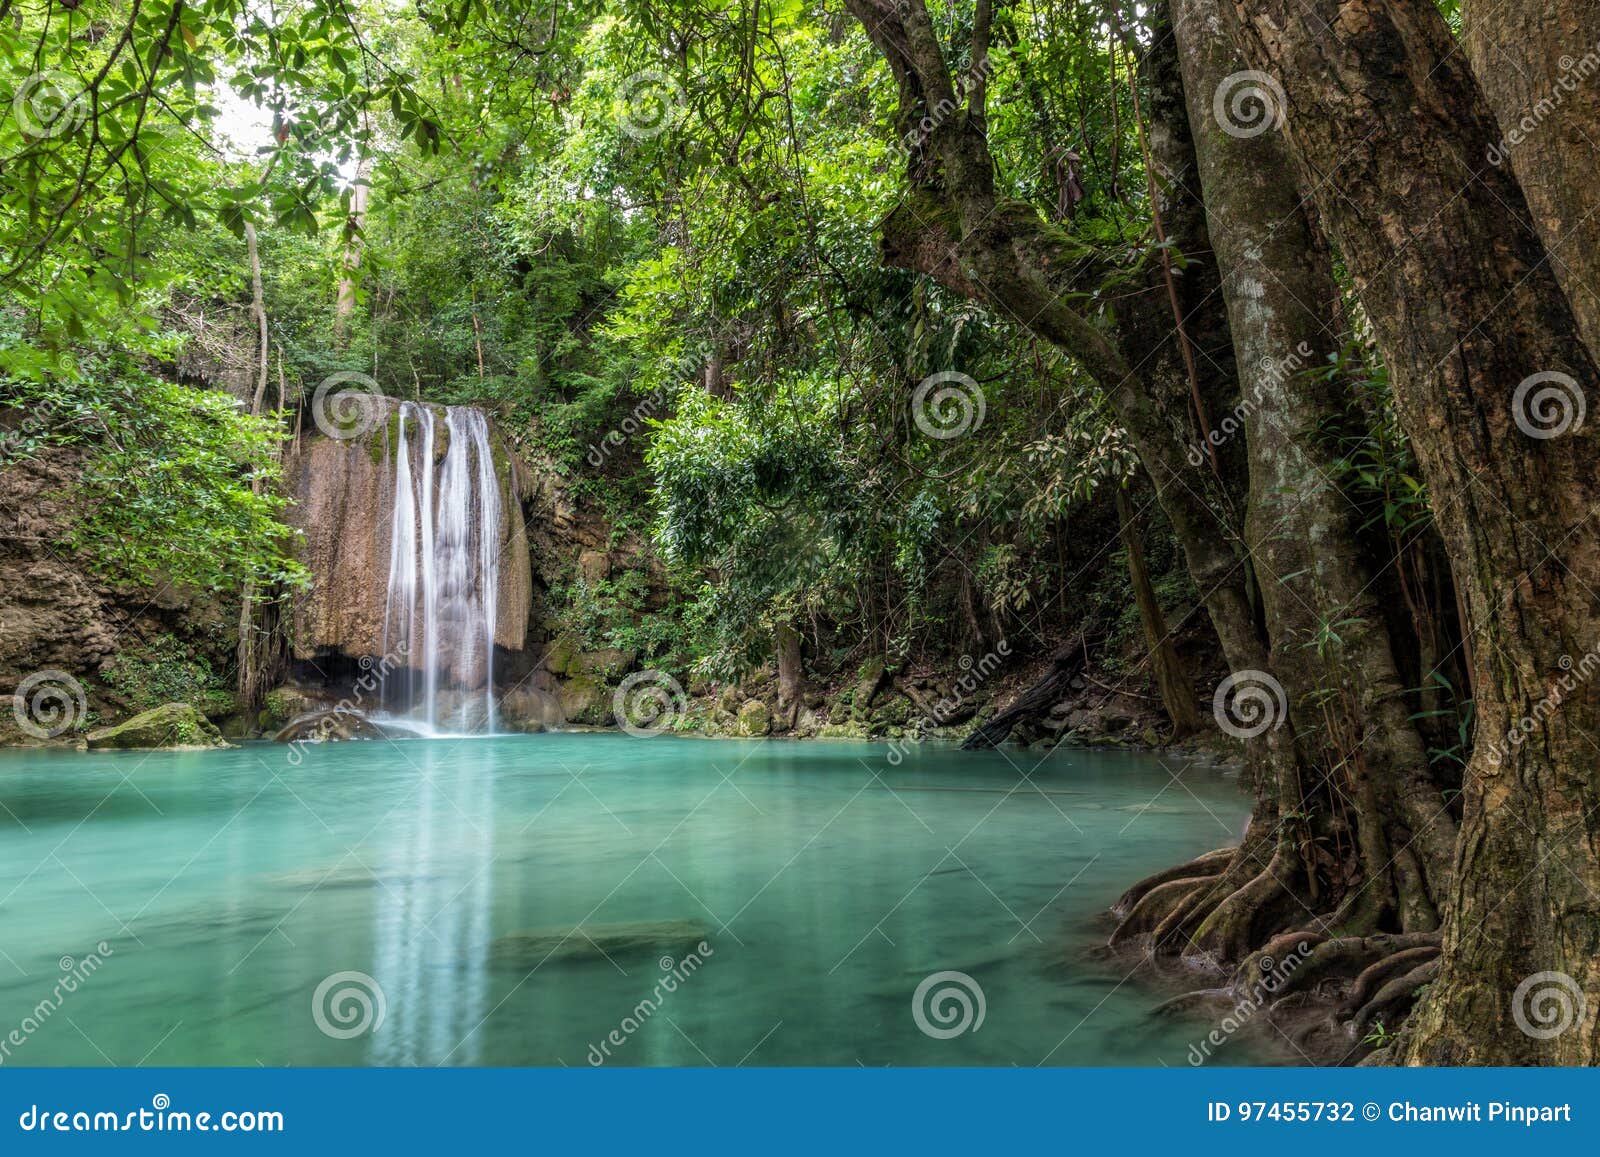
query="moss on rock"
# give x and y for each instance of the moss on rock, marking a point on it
(171, 725)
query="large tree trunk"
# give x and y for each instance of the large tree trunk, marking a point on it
(954, 228)
(1390, 127)
(1277, 279)
(1539, 65)
(247, 656)
(791, 676)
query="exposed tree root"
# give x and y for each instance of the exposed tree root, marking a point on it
(1209, 865)
(1155, 905)
(1394, 999)
(1240, 919)
(1376, 975)
(1342, 957)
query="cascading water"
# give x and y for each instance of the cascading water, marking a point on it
(444, 570)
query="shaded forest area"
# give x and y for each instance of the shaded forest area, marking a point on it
(1244, 342)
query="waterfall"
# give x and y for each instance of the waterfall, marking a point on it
(444, 569)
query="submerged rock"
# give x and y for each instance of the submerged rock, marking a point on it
(172, 725)
(528, 950)
(330, 726)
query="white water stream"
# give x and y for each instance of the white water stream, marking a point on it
(444, 571)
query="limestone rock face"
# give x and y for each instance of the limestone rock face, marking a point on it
(344, 501)
(59, 614)
(175, 725)
(531, 709)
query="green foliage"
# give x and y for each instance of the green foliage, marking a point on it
(647, 238)
(613, 613)
(167, 670)
(165, 492)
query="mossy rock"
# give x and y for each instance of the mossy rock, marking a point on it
(172, 725)
(332, 726)
(561, 655)
(584, 700)
(754, 718)
(895, 712)
(282, 704)
(608, 663)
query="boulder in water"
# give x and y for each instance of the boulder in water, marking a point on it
(172, 725)
(754, 718)
(531, 709)
(528, 950)
(340, 723)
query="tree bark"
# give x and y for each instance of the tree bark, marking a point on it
(1277, 280)
(1539, 65)
(1177, 696)
(246, 655)
(791, 676)
(1389, 128)
(344, 305)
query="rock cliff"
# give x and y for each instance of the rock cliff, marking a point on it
(344, 493)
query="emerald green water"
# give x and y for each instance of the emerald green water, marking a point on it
(226, 886)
